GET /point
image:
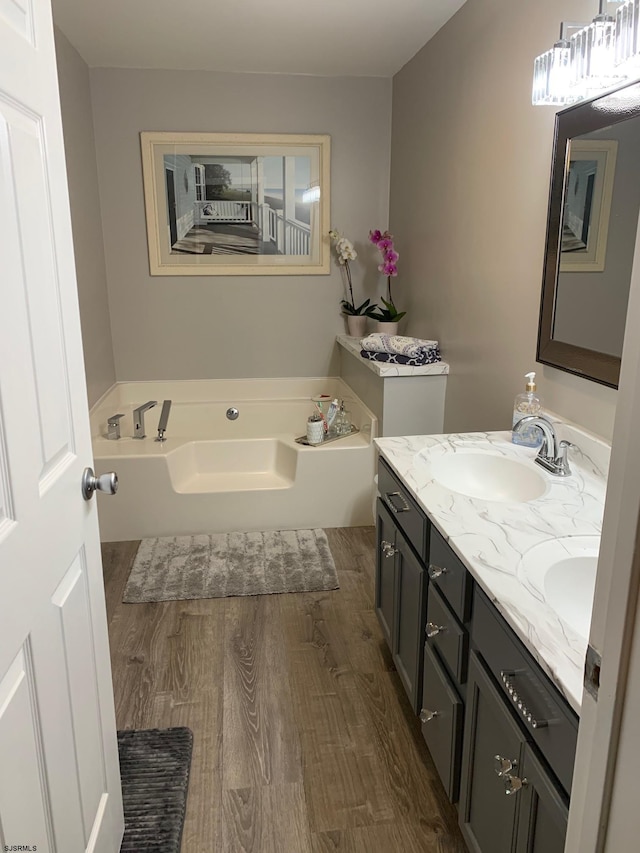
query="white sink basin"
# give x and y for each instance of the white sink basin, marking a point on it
(563, 573)
(569, 586)
(489, 477)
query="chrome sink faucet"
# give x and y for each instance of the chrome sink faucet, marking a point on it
(552, 454)
(138, 418)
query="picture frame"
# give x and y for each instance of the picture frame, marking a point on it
(587, 204)
(236, 203)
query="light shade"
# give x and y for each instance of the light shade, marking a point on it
(627, 53)
(593, 57)
(551, 75)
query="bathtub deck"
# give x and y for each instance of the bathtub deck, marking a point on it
(304, 741)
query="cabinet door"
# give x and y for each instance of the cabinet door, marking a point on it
(408, 646)
(542, 823)
(441, 717)
(385, 572)
(489, 802)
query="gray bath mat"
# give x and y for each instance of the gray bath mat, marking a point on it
(224, 564)
(154, 768)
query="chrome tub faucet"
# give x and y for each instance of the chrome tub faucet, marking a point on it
(138, 418)
(552, 455)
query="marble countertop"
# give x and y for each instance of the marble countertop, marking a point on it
(493, 537)
(352, 345)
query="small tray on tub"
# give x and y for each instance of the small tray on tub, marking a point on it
(303, 438)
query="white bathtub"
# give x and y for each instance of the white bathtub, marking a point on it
(213, 474)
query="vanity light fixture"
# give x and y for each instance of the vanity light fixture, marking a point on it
(596, 56)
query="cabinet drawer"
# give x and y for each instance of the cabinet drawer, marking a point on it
(445, 634)
(450, 576)
(408, 516)
(442, 712)
(527, 688)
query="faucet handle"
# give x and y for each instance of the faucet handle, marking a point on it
(113, 426)
(562, 462)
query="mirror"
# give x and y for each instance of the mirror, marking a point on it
(594, 203)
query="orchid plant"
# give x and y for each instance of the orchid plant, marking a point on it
(389, 267)
(345, 253)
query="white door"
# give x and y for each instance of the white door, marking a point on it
(59, 776)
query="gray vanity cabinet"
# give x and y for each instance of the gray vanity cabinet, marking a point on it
(501, 736)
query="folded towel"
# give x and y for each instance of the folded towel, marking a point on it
(430, 357)
(411, 347)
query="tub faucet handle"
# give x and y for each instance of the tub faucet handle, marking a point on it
(113, 426)
(164, 417)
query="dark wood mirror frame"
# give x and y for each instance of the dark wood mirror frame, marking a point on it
(595, 114)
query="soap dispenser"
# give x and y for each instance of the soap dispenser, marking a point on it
(527, 403)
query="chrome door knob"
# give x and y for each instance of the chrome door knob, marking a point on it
(432, 630)
(503, 766)
(107, 483)
(435, 571)
(513, 784)
(426, 715)
(387, 548)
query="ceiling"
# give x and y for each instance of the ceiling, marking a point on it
(332, 37)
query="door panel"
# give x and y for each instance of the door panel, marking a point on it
(72, 601)
(443, 730)
(385, 575)
(410, 619)
(23, 799)
(542, 825)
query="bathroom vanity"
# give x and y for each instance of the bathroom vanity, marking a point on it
(469, 532)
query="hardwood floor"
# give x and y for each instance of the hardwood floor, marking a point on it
(304, 741)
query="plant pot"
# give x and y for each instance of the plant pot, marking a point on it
(387, 328)
(357, 325)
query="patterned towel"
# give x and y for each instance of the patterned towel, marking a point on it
(430, 357)
(400, 345)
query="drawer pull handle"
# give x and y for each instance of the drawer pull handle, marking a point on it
(426, 715)
(403, 505)
(503, 766)
(436, 571)
(513, 784)
(387, 548)
(506, 676)
(433, 630)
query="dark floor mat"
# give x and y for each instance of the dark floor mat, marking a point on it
(154, 767)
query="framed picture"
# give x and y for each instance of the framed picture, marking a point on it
(236, 203)
(587, 204)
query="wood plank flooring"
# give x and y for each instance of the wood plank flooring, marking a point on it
(304, 741)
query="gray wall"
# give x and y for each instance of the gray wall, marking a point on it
(197, 327)
(469, 190)
(79, 144)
